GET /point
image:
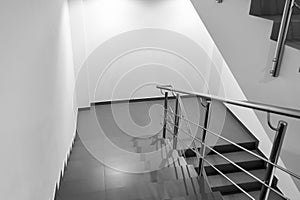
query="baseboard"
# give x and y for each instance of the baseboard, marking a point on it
(62, 171)
(134, 100)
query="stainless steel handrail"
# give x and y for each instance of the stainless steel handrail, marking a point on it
(230, 161)
(242, 148)
(280, 131)
(289, 112)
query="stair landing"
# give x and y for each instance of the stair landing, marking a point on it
(87, 177)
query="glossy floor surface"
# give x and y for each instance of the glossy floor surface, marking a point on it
(108, 161)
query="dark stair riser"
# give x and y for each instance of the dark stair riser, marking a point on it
(263, 8)
(229, 168)
(273, 10)
(231, 189)
(293, 32)
(248, 187)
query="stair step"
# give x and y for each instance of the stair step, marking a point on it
(254, 194)
(241, 158)
(175, 172)
(268, 7)
(180, 161)
(294, 28)
(221, 184)
(224, 148)
(206, 196)
(113, 180)
(138, 145)
(293, 35)
(188, 188)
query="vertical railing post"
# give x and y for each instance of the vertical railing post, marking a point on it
(284, 27)
(274, 156)
(202, 150)
(165, 115)
(176, 122)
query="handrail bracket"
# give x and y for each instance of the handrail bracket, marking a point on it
(270, 123)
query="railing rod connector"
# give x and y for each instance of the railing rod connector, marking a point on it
(202, 102)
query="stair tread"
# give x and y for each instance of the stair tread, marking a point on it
(254, 194)
(177, 172)
(277, 18)
(236, 157)
(182, 161)
(206, 196)
(168, 189)
(237, 177)
(113, 179)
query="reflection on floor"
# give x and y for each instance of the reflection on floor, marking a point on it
(106, 163)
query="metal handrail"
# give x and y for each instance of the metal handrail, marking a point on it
(278, 140)
(239, 146)
(233, 163)
(230, 161)
(289, 112)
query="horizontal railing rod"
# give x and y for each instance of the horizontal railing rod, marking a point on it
(253, 105)
(244, 149)
(242, 169)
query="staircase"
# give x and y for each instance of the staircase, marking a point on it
(176, 181)
(273, 10)
(87, 178)
(234, 131)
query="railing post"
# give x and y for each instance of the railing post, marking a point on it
(274, 156)
(165, 115)
(284, 27)
(176, 122)
(202, 150)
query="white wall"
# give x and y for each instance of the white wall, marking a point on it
(36, 86)
(112, 40)
(105, 32)
(246, 47)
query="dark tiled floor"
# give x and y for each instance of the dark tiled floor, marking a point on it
(108, 164)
